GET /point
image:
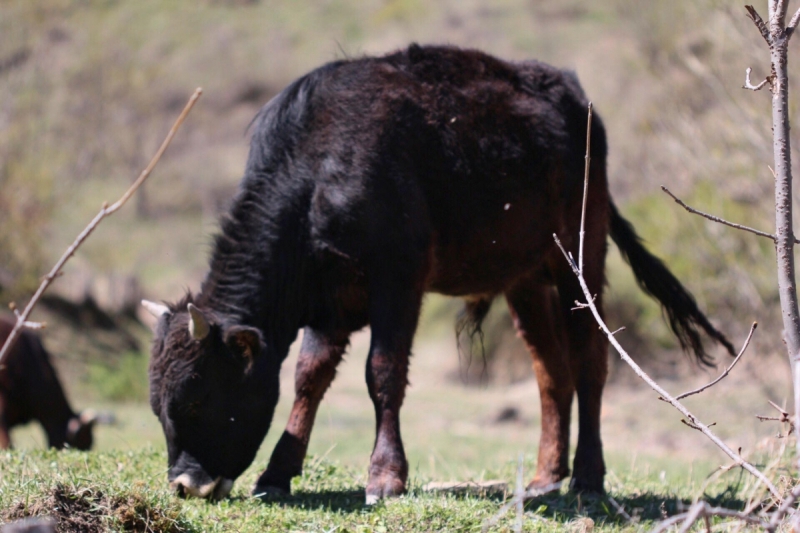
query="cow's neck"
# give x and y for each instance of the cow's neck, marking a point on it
(258, 275)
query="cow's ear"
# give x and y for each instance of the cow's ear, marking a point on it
(244, 341)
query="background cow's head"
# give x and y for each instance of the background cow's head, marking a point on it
(79, 430)
(214, 390)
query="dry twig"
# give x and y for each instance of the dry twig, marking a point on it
(714, 218)
(588, 160)
(727, 370)
(106, 210)
(620, 509)
(784, 418)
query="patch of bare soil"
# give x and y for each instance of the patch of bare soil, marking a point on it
(88, 510)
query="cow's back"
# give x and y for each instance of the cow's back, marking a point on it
(476, 158)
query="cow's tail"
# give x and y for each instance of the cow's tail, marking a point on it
(469, 330)
(684, 317)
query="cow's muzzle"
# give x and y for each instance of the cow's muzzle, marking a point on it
(216, 489)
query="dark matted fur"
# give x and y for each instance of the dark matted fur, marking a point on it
(370, 182)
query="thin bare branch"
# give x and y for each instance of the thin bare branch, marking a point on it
(727, 370)
(701, 510)
(656, 387)
(620, 509)
(793, 23)
(778, 408)
(104, 212)
(759, 22)
(749, 85)
(695, 512)
(778, 14)
(785, 418)
(585, 184)
(717, 219)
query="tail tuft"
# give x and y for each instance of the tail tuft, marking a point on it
(469, 321)
(656, 280)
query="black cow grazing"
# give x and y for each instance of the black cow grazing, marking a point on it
(369, 183)
(30, 390)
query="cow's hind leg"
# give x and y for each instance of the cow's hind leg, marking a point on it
(536, 313)
(588, 354)
(320, 354)
(588, 346)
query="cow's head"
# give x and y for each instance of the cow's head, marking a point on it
(214, 390)
(79, 430)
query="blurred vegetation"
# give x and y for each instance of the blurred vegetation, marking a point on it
(90, 87)
(125, 380)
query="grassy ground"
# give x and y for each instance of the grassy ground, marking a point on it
(122, 491)
(656, 464)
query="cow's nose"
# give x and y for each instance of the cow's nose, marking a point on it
(185, 487)
(215, 490)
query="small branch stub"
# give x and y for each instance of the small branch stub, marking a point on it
(749, 85)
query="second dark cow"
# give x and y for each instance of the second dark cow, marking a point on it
(30, 391)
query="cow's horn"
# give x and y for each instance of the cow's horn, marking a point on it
(155, 309)
(198, 325)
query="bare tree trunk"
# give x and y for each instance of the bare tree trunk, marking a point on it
(777, 35)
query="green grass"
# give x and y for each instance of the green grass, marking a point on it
(126, 490)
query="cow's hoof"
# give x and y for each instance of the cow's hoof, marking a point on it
(268, 492)
(384, 487)
(540, 487)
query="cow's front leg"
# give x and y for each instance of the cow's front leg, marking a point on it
(394, 310)
(387, 377)
(320, 353)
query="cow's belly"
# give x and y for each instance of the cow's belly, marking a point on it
(489, 266)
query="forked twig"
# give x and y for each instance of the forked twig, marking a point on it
(106, 210)
(727, 370)
(692, 420)
(784, 418)
(714, 218)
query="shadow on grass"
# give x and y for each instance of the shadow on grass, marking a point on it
(560, 507)
(642, 507)
(346, 501)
